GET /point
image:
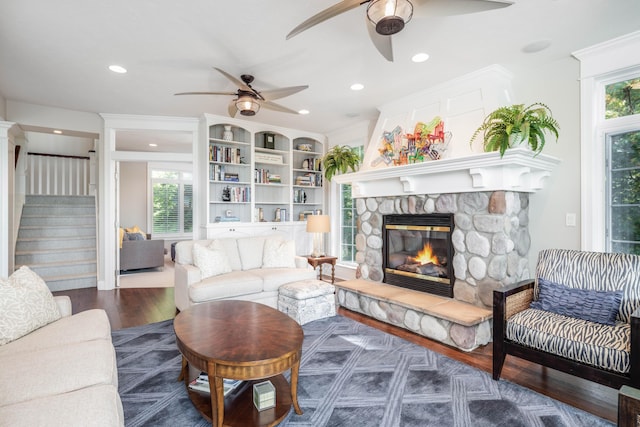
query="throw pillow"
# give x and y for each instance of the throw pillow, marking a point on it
(586, 304)
(26, 304)
(279, 253)
(211, 262)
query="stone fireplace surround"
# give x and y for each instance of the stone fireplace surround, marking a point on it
(491, 238)
(489, 198)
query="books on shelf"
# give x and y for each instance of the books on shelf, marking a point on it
(201, 384)
(236, 194)
(227, 219)
(309, 180)
(222, 154)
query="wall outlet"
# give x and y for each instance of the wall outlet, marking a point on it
(570, 220)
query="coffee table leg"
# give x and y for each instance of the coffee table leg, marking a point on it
(183, 371)
(294, 385)
(217, 401)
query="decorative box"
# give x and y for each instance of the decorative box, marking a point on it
(264, 395)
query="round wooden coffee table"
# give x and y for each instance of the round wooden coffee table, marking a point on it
(240, 340)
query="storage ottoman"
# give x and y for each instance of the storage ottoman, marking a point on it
(307, 300)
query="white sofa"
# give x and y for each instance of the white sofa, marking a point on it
(61, 374)
(255, 268)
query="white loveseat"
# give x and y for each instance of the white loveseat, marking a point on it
(245, 268)
(61, 374)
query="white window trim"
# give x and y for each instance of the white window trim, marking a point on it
(599, 65)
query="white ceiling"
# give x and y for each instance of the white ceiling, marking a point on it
(56, 53)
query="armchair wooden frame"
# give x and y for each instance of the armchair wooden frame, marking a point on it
(515, 298)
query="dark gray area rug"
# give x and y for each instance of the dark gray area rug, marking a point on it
(350, 375)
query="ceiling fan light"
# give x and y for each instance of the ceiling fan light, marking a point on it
(389, 16)
(247, 106)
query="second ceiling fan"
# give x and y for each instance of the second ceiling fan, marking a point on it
(388, 17)
(248, 100)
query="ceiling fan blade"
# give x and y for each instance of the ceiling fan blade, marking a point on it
(277, 107)
(235, 80)
(434, 8)
(382, 43)
(232, 109)
(328, 13)
(272, 94)
(205, 93)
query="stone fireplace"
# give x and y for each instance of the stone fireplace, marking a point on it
(490, 238)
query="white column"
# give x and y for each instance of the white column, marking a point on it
(5, 192)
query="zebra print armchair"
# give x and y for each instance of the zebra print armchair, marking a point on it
(580, 315)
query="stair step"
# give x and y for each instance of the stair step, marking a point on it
(55, 220)
(71, 281)
(55, 255)
(58, 210)
(56, 200)
(48, 243)
(57, 231)
(49, 269)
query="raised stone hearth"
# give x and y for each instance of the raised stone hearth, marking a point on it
(443, 319)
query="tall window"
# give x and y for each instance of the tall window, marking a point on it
(172, 193)
(348, 219)
(622, 135)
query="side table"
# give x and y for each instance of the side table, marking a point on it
(318, 261)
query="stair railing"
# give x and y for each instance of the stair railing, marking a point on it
(57, 175)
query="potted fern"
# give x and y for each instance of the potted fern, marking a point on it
(510, 126)
(339, 159)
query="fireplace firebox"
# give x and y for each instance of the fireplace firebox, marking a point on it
(417, 252)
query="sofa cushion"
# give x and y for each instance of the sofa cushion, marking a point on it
(210, 261)
(93, 406)
(225, 286)
(230, 246)
(84, 326)
(68, 368)
(251, 250)
(273, 278)
(595, 306)
(184, 250)
(26, 304)
(279, 253)
(595, 344)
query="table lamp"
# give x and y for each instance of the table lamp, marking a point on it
(318, 225)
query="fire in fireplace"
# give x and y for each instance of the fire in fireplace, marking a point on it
(417, 252)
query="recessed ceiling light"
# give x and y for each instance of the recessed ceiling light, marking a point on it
(58, 132)
(536, 46)
(117, 69)
(357, 86)
(303, 112)
(153, 145)
(420, 57)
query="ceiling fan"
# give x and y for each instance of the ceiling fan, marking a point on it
(388, 17)
(248, 100)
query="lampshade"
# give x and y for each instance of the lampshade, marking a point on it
(318, 224)
(389, 16)
(247, 105)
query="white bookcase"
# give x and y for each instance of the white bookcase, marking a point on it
(264, 190)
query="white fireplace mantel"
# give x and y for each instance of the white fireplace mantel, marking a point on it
(520, 170)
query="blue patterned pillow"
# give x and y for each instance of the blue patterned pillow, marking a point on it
(594, 306)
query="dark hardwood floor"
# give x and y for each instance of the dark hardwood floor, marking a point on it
(132, 307)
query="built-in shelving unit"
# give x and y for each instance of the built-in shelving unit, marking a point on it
(262, 179)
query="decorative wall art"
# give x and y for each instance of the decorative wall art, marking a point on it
(427, 142)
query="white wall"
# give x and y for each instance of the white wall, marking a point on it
(3, 108)
(50, 143)
(555, 84)
(133, 195)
